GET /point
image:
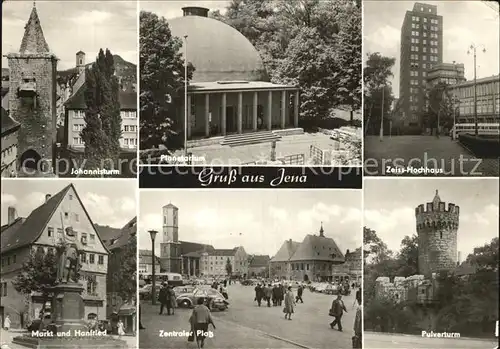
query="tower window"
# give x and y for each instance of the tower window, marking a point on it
(441, 235)
(81, 61)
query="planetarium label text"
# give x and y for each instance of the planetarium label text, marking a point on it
(208, 177)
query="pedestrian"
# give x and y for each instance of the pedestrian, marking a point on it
(357, 338)
(268, 294)
(225, 282)
(276, 295)
(121, 328)
(170, 300)
(289, 303)
(6, 323)
(299, 294)
(223, 291)
(258, 294)
(357, 299)
(199, 320)
(281, 294)
(163, 297)
(337, 310)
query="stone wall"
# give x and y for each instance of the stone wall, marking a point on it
(37, 115)
(437, 237)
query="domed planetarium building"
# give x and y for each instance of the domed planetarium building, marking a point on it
(228, 93)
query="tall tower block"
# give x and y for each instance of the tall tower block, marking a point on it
(437, 227)
(169, 243)
(32, 97)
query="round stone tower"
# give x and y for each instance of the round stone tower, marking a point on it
(437, 227)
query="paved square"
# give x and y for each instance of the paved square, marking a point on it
(245, 325)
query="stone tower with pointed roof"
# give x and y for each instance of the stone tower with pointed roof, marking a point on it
(437, 227)
(32, 97)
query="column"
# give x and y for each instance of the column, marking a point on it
(269, 110)
(240, 112)
(189, 266)
(188, 118)
(223, 115)
(254, 110)
(283, 108)
(296, 110)
(207, 115)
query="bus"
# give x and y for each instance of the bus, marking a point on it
(172, 279)
(489, 129)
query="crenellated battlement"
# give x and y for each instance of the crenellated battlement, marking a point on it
(429, 208)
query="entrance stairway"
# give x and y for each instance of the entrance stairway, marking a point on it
(250, 138)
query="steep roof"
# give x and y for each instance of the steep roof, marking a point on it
(286, 251)
(188, 247)
(224, 252)
(8, 124)
(107, 233)
(318, 248)
(259, 261)
(127, 99)
(145, 257)
(33, 39)
(126, 235)
(354, 255)
(15, 235)
(30, 229)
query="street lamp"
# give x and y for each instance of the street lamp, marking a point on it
(473, 47)
(185, 96)
(153, 233)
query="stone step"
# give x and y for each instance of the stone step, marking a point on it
(250, 138)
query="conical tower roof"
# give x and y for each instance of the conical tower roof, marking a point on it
(33, 39)
(436, 199)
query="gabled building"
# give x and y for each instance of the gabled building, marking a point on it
(215, 263)
(316, 258)
(145, 265)
(259, 266)
(43, 229)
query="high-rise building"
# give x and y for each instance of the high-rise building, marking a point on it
(421, 50)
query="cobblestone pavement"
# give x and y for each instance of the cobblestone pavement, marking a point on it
(416, 151)
(245, 325)
(388, 340)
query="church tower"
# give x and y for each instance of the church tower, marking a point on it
(80, 61)
(437, 228)
(169, 243)
(32, 98)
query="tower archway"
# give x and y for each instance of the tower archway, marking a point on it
(31, 160)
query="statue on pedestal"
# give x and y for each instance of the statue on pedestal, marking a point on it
(69, 257)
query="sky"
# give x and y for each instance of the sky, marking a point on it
(71, 26)
(389, 208)
(464, 22)
(173, 9)
(108, 202)
(260, 221)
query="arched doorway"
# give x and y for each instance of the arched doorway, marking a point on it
(306, 278)
(30, 160)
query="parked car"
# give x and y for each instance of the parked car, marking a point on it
(330, 289)
(183, 289)
(146, 290)
(247, 282)
(215, 298)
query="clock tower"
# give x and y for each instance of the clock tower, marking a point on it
(169, 243)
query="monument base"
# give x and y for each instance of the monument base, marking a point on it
(68, 310)
(69, 342)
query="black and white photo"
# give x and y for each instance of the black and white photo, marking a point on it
(265, 268)
(68, 276)
(430, 263)
(69, 100)
(431, 88)
(250, 83)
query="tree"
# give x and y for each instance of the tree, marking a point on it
(102, 131)
(349, 56)
(122, 270)
(408, 256)
(229, 268)
(439, 106)
(376, 74)
(39, 273)
(162, 80)
(375, 249)
(485, 257)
